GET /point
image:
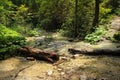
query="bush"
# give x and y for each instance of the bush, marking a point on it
(19, 29)
(10, 41)
(32, 33)
(116, 37)
(95, 36)
(68, 29)
(25, 31)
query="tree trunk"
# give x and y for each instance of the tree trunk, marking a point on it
(95, 52)
(38, 54)
(96, 16)
(76, 18)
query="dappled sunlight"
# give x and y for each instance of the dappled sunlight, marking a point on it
(106, 67)
(38, 69)
(93, 66)
(81, 61)
(80, 38)
(107, 45)
(101, 66)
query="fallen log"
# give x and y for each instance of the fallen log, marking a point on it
(95, 52)
(38, 54)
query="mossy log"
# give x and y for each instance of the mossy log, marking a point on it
(95, 52)
(38, 54)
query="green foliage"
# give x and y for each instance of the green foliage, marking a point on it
(116, 37)
(52, 14)
(10, 40)
(105, 11)
(84, 19)
(45, 23)
(115, 6)
(67, 29)
(55, 14)
(118, 11)
(32, 33)
(19, 16)
(26, 31)
(19, 29)
(95, 36)
(66, 33)
(22, 9)
(5, 6)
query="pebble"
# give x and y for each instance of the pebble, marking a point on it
(83, 77)
(49, 72)
(62, 73)
(76, 56)
(64, 58)
(59, 69)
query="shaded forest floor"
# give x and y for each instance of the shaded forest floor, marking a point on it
(82, 67)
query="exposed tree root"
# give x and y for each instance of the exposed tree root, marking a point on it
(21, 71)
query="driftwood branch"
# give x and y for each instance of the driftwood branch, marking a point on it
(38, 54)
(58, 62)
(95, 52)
